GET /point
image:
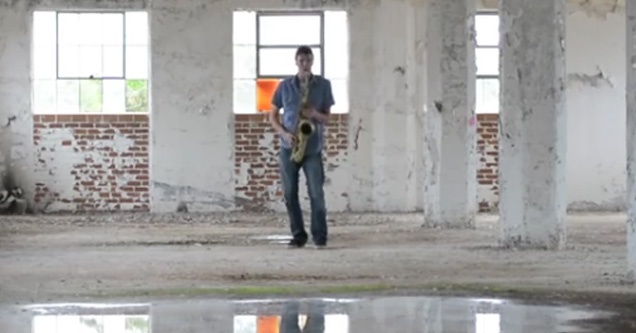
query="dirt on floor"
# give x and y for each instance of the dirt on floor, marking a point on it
(62, 258)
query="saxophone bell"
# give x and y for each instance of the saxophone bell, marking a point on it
(306, 128)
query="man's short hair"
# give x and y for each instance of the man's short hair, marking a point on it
(304, 50)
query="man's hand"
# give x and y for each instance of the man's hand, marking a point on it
(288, 137)
(312, 113)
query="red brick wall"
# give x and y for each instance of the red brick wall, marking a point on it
(256, 156)
(92, 162)
(488, 154)
(100, 162)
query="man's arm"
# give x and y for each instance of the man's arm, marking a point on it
(274, 114)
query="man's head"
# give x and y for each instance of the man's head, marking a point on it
(304, 59)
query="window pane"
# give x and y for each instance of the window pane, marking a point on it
(244, 62)
(44, 96)
(44, 27)
(487, 30)
(281, 62)
(137, 62)
(68, 93)
(289, 30)
(244, 28)
(137, 95)
(244, 96)
(487, 96)
(265, 89)
(91, 29)
(114, 96)
(91, 61)
(113, 61)
(487, 61)
(69, 58)
(68, 26)
(340, 91)
(137, 28)
(336, 45)
(91, 95)
(44, 62)
(113, 29)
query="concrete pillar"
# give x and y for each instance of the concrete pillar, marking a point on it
(532, 124)
(631, 139)
(450, 193)
(13, 319)
(191, 155)
(16, 119)
(385, 121)
(192, 317)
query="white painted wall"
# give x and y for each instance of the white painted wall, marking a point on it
(595, 55)
(596, 110)
(192, 100)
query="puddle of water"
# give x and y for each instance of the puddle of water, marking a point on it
(272, 239)
(387, 314)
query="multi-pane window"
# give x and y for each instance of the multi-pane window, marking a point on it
(487, 59)
(265, 45)
(90, 62)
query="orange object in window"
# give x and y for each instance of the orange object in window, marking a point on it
(268, 325)
(265, 89)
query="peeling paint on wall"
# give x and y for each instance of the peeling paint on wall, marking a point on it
(594, 80)
(257, 183)
(91, 162)
(597, 8)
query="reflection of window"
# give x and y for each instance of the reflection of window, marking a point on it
(91, 324)
(264, 47)
(487, 323)
(334, 323)
(487, 59)
(90, 62)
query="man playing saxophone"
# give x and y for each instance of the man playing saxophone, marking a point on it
(306, 100)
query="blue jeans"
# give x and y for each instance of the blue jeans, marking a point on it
(314, 173)
(315, 319)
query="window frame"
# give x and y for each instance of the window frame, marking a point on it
(321, 46)
(486, 77)
(57, 45)
(477, 46)
(82, 78)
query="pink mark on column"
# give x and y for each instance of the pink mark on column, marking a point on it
(472, 121)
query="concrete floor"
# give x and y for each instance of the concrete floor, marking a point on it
(62, 258)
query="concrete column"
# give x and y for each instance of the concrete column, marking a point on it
(450, 193)
(533, 124)
(631, 139)
(191, 155)
(385, 124)
(192, 317)
(14, 320)
(16, 118)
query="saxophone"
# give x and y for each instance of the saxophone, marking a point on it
(305, 126)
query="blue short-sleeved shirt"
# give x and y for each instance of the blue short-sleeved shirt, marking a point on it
(287, 97)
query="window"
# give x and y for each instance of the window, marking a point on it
(487, 323)
(91, 323)
(264, 47)
(487, 60)
(333, 323)
(87, 62)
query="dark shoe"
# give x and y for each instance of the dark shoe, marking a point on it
(295, 244)
(320, 246)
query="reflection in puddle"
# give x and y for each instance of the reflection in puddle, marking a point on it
(331, 323)
(272, 239)
(388, 314)
(487, 323)
(91, 324)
